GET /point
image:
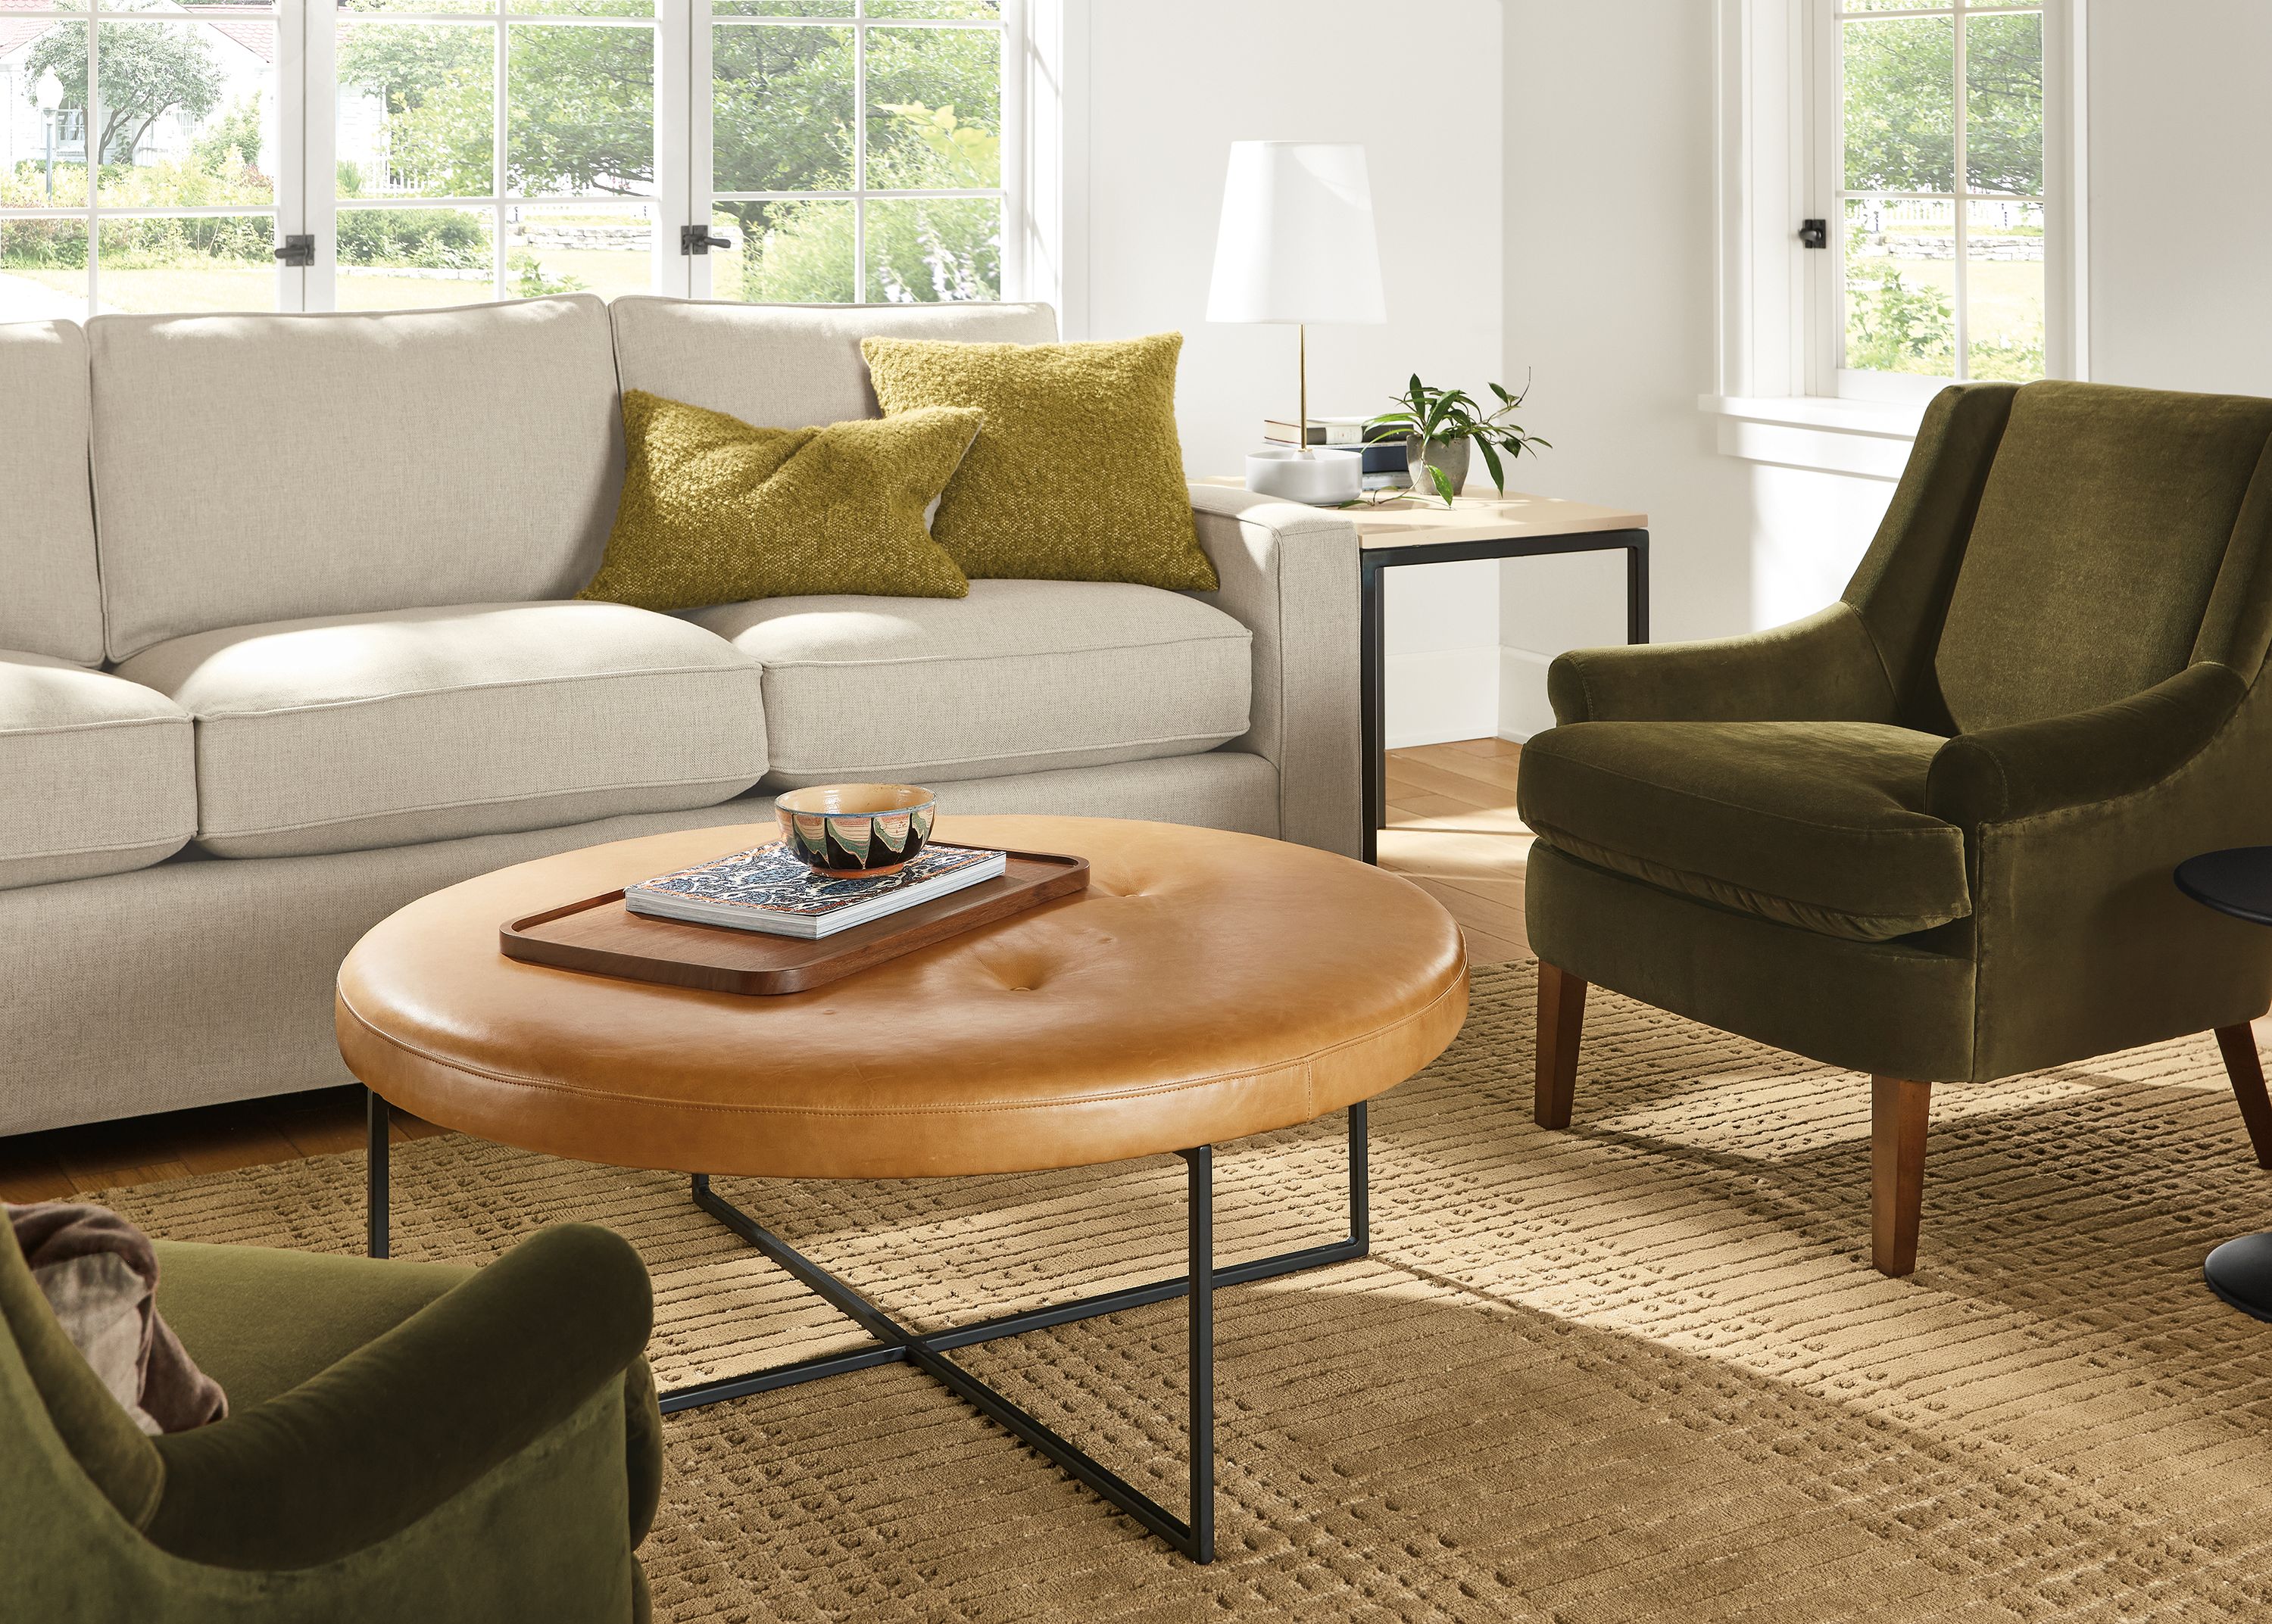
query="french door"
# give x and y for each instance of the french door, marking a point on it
(375, 154)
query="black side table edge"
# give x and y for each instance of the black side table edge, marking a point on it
(1372, 675)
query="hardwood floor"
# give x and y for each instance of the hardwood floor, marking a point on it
(1452, 830)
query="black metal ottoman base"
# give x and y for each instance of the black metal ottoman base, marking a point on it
(893, 1344)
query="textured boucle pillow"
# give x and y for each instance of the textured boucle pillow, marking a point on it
(1077, 474)
(716, 511)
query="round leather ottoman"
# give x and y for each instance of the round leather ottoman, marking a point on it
(1205, 987)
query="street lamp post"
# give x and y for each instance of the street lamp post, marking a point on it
(49, 92)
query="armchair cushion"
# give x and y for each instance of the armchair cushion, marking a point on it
(1820, 825)
(2103, 523)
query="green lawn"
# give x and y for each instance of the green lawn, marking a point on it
(607, 272)
(2006, 303)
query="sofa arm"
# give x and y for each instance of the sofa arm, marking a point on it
(1289, 575)
(1824, 668)
(2002, 773)
(398, 1428)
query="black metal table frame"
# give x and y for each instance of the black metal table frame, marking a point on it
(895, 1344)
(1373, 672)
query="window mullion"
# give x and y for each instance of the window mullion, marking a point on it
(91, 158)
(498, 89)
(860, 156)
(1961, 205)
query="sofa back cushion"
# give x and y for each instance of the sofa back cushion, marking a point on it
(255, 468)
(785, 365)
(2105, 516)
(50, 603)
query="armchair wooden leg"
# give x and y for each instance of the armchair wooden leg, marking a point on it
(1561, 1020)
(1898, 1111)
(2247, 1070)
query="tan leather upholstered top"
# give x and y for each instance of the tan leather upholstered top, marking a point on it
(1207, 986)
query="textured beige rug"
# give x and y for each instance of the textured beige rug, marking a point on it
(1639, 1370)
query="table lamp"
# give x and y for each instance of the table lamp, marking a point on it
(1297, 245)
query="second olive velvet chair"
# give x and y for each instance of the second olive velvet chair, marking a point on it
(404, 1441)
(1927, 833)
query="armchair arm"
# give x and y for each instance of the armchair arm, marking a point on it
(2002, 773)
(397, 1428)
(1289, 573)
(1823, 668)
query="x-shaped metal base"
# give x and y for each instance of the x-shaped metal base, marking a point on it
(895, 1344)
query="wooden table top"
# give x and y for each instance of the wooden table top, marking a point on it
(1478, 515)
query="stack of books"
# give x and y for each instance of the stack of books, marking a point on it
(771, 889)
(1383, 448)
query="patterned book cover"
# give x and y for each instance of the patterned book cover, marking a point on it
(770, 879)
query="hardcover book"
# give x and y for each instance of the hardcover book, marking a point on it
(769, 889)
(1350, 432)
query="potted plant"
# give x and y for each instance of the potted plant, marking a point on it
(1440, 425)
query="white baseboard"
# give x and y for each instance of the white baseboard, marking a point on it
(1442, 696)
(1522, 706)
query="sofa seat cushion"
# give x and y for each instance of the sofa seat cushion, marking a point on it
(1819, 826)
(345, 733)
(97, 775)
(1017, 677)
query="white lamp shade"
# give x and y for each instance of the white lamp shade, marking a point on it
(1296, 243)
(49, 92)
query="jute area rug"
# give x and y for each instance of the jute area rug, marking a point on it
(1637, 1370)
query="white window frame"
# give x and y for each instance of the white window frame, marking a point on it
(1778, 392)
(318, 88)
(1011, 193)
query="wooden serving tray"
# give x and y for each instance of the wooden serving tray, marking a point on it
(602, 936)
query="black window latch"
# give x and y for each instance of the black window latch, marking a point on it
(298, 251)
(1814, 232)
(700, 239)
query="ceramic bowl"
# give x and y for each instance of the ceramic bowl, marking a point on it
(856, 828)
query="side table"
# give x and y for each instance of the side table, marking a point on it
(1409, 530)
(2238, 882)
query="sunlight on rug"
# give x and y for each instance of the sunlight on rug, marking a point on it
(1637, 1370)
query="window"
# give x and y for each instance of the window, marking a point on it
(856, 151)
(499, 155)
(1935, 142)
(134, 149)
(443, 152)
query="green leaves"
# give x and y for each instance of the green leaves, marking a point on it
(1443, 416)
(1490, 460)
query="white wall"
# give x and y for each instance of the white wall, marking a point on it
(1169, 84)
(1611, 245)
(2180, 256)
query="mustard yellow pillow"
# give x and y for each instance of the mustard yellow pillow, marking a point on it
(1077, 474)
(715, 510)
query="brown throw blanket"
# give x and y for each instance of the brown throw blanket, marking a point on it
(100, 1274)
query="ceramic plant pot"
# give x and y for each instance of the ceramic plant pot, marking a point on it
(1449, 455)
(849, 830)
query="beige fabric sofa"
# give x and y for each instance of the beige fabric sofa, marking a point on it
(305, 647)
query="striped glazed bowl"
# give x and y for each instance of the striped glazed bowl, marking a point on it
(856, 828)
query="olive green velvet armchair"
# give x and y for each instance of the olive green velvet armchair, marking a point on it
(1927, 833)
(404, 1441)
